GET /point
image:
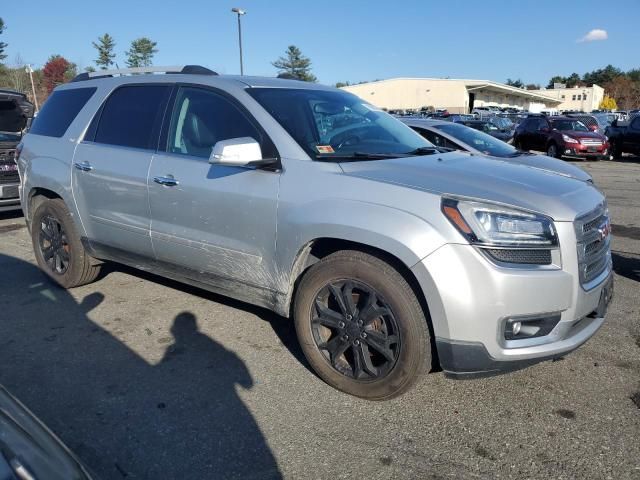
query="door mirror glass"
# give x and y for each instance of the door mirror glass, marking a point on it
(236, 151)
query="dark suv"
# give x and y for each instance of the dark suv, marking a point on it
(560, 137)
(15, 112)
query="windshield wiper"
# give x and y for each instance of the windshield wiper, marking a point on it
(429, 150)
(357, 156)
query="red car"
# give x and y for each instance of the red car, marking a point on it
(560, 137)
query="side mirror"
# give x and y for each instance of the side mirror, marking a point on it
(242, 151)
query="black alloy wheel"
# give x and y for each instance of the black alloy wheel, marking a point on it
(54, 245)
(356, 330)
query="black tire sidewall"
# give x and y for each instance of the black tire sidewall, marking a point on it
(412, 325)
(58, 210)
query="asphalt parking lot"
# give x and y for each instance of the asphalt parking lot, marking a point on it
(145, 378)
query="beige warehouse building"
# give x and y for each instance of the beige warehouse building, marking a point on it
(456, 95)
(585, 99)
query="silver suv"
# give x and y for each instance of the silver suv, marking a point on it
(390, 254)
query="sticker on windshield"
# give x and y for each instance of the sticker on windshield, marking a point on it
(324, 149)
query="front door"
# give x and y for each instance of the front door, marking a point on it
(215, 222)
(111, 165)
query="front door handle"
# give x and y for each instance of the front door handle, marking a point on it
(167, 181)
(84, 166)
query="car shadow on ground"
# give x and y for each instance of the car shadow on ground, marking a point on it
(626, 265)
(282, 327)
(125, 417)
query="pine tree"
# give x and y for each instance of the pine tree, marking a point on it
(295, 65)
(105, 46)
(3, 45)
(141, 53)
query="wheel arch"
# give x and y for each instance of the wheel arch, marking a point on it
(319, 248)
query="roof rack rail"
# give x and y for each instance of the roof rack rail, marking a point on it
(187, 69)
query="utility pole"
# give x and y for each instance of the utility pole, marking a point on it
(33, 87)
(240, 12)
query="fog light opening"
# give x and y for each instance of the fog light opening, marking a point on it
(515, 328)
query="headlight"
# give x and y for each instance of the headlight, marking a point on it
(494, 225)
(568, 139)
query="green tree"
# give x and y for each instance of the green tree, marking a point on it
(556, 79)
(574, 80)
(532, 86)
(105, 46)
(342, 84)
(3, 45)
(295, 65)
(141, 53)
(89, 69)
(602, 75)
(515, 83)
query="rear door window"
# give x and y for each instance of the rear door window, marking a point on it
(60, 109)
(131, 116)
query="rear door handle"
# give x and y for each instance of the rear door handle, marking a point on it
(84, 166)
(167, 181)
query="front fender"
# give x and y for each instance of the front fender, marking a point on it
(396, 232)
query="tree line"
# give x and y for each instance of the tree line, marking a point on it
(622, 87)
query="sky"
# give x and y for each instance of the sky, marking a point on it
(348, 40)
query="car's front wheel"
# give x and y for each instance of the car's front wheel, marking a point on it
(552, 151)
(57, 247)
(361, 325)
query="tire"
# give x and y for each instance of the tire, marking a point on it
(552, 151)
(57, 247)
(390, 331)
(616, 151)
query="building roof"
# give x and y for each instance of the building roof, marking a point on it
(476, 85)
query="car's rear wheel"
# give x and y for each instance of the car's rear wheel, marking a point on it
(57, 247)
(361, 326)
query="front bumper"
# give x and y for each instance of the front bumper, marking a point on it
(471, 298)
(582, 151)
(9, 197)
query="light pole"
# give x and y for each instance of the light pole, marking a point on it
(33, 88)
(240, 12)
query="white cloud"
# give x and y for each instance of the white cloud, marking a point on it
(595, 35)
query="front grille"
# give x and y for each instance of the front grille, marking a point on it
(522, 256)
(592, 142)
(594, 242)
(7, 159)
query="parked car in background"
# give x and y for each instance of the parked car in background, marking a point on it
(485, 111)
(489, 128)
(29, 450)
(15, 114)
(560, 137)
(460, 137)
(368, 235)
(624, 137)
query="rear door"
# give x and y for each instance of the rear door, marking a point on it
(216, 222)
(111, 166)
(631, 142)
(540, 135)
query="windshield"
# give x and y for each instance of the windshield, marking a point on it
(478, 140)
(573, 125)
(9, 137)
(334, 124)
(502, 123)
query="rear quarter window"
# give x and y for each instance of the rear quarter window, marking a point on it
(60, 109)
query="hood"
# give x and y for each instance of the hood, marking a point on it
(549, 164)
(15, 112)
(478, 177)
(579, 135)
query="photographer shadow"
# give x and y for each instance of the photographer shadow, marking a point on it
(121, 414)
